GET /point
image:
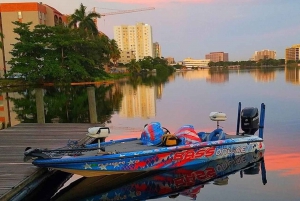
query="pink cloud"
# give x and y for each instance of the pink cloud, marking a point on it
(159, 3)
(162, 3)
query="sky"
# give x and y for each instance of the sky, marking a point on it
(194, 28)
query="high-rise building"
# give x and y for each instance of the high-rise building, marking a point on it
(156, 50)
(264, 54)
(217, 56)
(134, 38)
(292, 53)
(37, 13)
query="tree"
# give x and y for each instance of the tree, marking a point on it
(53, 54)
(84, 21)
(114, 51)
(134, 67)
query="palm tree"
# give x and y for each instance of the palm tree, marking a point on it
(134, 67)
(84, 21)
(114, 51)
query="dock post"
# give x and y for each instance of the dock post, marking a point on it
(39, 98)
(92, 104)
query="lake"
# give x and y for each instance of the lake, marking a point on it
(188, 97)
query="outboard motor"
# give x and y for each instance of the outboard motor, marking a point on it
(249, 120)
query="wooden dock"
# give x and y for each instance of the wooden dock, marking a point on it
(15, 174)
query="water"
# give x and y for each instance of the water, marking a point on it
(188, 98)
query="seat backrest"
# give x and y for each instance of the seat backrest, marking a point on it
(152, 134)
(217, 134)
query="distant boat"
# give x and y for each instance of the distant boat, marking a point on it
(131, 155)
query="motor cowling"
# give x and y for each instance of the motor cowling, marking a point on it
(249, 120)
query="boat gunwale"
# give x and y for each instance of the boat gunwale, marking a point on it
(157, 150)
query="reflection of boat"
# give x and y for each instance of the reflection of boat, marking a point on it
(130, 155)
(186, 181)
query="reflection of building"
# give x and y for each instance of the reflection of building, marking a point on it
(7, 115)
(218, 77)
(134, 38)
(159, 91)
(156, 50)
(264, 54)
(198, 63)
(292, 53)
(263, 76)
(37, 13)
(140, 102)
(217, 56)
(292, 75)
(195, 75)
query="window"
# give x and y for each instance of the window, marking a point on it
(55, 20)
(19, 15)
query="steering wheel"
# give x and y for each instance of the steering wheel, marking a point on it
(166, 131)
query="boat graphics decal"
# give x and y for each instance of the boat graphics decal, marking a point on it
(185, 181)
(166, 160)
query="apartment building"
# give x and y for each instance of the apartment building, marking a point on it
(37, 13)
(292, 53)
(217, 56)
(156, 50)
(134, 38)
(264, 54)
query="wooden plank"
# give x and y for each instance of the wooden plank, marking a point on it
(14, 140)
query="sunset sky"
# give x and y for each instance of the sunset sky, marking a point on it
(193, 28)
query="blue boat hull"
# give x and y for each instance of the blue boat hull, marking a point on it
(161, 158)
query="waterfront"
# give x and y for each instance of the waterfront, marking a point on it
(188, 98)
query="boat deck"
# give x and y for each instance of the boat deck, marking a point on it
(136, 145)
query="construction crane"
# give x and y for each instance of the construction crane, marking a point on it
(126, 11)
(121, 12)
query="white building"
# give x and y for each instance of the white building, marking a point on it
(134, 38)
(196, 63)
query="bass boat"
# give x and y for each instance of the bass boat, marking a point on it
(152, 152)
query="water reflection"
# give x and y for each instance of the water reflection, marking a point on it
(64, 104)
(216, 75)
(133, 97)
(264, 74)
(187, 181)
(292, 74)
(139, 102)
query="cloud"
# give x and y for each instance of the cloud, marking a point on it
(160, 1)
